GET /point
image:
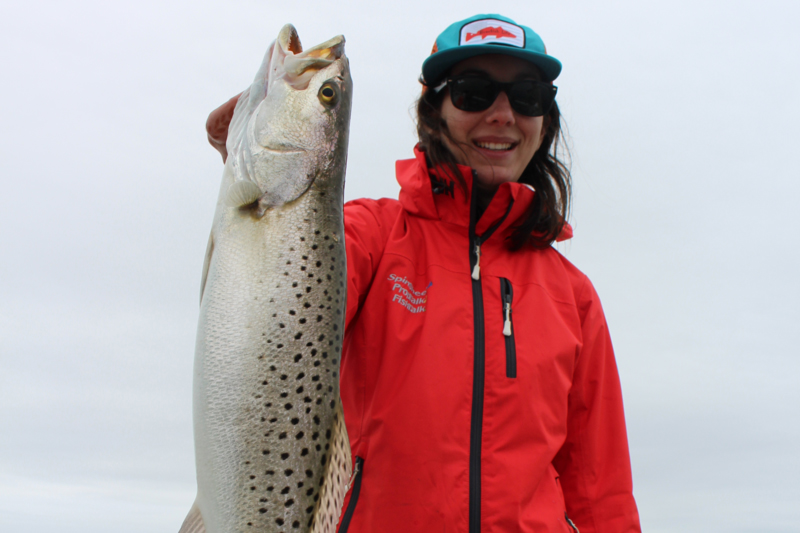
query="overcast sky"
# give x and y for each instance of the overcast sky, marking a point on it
(683, 117)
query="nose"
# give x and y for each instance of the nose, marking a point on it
(500, 112)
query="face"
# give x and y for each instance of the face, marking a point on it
(498, 142)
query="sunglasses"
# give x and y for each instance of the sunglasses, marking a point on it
(472, 93)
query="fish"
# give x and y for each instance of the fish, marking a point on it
(271, 446)
(490, 31)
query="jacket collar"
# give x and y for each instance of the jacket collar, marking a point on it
(435, 194)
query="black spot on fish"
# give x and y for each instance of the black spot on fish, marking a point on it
(285, 490)
(288, 472)
(288, 503)
(310, 491)
(279, 521)
(315, 435)
(316, 363)
(304, 452)
(282, 435)
(319, 318)
(296, 524)
(303, 320)
(306, 305)
(262, 511)
(301, 375)
(319, 264)
(321, 338)
(314, 246)
(284, 456)
(284, 394)
(316, 420)
(270, 488)
(297, 358)
(264, 452)
(295, 421)
(299, 435)
(270, 472)
(299, 335)
(288, 406)
(273, 368)
(283, 377)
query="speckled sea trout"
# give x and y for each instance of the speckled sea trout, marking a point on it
(270, 441)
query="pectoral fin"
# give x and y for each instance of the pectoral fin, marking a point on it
(242, 193)
(193, 522)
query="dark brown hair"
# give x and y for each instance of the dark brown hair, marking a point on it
(547, 214)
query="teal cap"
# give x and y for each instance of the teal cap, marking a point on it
(487, 34)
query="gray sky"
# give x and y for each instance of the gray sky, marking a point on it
(683, 120)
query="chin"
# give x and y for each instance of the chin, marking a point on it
(487, 179)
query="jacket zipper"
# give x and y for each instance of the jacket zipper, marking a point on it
(507, 294)
(571, 523)
(351, 506)
(478, 366)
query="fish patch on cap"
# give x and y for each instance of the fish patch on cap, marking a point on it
(486, 31)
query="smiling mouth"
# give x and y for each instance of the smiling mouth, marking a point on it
(496, 147)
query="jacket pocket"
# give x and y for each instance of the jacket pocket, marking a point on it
(572, 527)
(351, 507)
(507, 296)
(571, 524)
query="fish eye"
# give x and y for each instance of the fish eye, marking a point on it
(327, 94)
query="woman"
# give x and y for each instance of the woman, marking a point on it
(478, 378)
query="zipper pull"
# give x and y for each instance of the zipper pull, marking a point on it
(476, 271)
(507, 322)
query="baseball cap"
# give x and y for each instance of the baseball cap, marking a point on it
(487, 34)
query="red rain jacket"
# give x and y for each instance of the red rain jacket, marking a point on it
(456, 424)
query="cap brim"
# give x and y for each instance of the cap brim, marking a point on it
(437, 65)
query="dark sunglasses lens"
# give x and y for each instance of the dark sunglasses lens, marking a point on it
(472, 94)
(530, 98)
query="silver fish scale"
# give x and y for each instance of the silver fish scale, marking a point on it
(275, 292)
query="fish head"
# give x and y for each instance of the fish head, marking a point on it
(290, 128)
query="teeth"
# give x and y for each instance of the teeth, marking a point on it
(494, 146)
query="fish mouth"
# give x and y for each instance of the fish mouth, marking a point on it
(297, 66)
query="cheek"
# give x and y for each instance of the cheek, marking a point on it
(458, 122)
